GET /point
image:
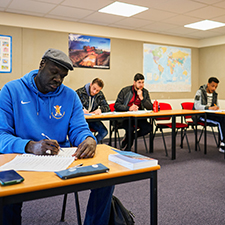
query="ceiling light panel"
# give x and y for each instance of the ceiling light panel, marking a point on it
(205, 25)
(123, 9)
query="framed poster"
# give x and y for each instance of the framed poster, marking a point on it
(89, 52)
(167, 68)
(5, 54)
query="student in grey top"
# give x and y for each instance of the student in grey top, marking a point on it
(206, 99)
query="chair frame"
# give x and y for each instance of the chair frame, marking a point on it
(200, 123)
(168, 125)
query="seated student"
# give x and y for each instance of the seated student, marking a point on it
(133, 98)
(39, 103)
(206, 99)
(94, 101)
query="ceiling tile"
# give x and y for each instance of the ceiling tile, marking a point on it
(180, 30)
(87, 4)
(56, 2)
(181, 6)
(220, 4)
(207, 12)
(30, 6)
(103, 17)
(61, 18)
(209, 2)
(70, 12)
(154, 14)
(146, 3)
(182, 20)
(4, 3)
(24, 12)
(133, 22)
(159, 26)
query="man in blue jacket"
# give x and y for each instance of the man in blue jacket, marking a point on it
(39, 103)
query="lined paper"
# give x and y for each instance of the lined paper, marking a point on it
(47, 163)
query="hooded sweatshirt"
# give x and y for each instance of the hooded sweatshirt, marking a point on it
(26, 113)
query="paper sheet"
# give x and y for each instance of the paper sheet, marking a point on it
(51, 163)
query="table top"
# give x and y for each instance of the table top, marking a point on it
(35, 181)
(178, 112)
(147, 114)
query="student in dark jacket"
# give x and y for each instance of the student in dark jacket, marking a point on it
(93, 101)
(133, 98)
(206, 99)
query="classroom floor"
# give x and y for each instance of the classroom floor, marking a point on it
(190, 190)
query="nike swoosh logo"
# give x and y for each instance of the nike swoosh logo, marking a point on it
(22, 102)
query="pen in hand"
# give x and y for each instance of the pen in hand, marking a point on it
(44, 135)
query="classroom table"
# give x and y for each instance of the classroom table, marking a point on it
(165, 113)
(45, 184)
(111, 116)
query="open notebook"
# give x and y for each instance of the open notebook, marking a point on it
(49, 163)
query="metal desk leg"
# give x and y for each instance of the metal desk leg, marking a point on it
(115, 140)
(173, 138)
(196, 134)
(129, 132)
(110, 132)
(205, 138)
(153, 199)
(151, 138)
(135, 130)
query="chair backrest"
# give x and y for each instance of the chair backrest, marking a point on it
(111, 106)
(187, 105)
(164, 106)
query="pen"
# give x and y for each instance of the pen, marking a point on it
(74, 167)
(44, 135)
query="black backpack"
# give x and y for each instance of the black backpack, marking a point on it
(119, 215)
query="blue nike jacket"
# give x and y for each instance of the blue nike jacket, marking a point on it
(25, 113)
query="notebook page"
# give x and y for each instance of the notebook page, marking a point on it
(29, 162)
(68, 152)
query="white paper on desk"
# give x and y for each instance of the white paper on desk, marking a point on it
(213, 111)
(67, 152)
(139, 111)
(47, 163)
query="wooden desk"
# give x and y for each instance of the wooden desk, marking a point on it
(166, 113)
(45, 184)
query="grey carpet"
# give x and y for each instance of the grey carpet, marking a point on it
(191, 190)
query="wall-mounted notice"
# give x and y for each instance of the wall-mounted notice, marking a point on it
(5, 54)
(89, 52)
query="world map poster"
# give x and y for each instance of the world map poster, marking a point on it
(167, 68)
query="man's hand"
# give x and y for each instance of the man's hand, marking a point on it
(140, 94)
(43, 147)
(86, 149)
(133, 108)
(97, 111)
(85, 111)
(215, 107)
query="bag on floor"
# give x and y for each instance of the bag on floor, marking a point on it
(119, 214)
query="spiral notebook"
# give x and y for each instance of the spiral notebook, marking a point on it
(47, 163)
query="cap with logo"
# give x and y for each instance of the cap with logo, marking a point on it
(58, 57)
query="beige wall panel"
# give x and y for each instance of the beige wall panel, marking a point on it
(212, 63)
(126, 60)
(15, 32)
(36, 42)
